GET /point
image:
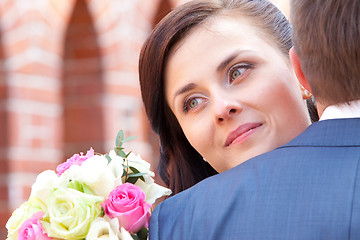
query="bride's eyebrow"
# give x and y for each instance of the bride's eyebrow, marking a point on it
(227, 60)
(184, 89)
(232, 56)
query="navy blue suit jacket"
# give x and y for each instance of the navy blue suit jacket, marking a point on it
(306, 189)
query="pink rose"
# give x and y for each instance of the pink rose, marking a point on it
(76, 159)
(127, 203)
(32, 229)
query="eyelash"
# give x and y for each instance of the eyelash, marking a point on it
(245, 66)
(187, 101)
(232, 70)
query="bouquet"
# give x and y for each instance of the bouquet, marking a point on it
(92, 196)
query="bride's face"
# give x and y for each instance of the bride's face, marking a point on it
(233, 92)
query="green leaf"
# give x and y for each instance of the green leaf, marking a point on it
(133, 177)
(118, 149)
(135, 237)
(121, 154)
(134, 169)
(127, 154)
(121, 134)
(108, 158)
(119, 138)
(143, 233)
(81, 187)
(102, 212)
(132, 180)
(137, 173)
(129, 139)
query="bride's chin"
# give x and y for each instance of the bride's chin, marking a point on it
(229, 165)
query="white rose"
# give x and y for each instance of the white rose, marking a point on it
(70, 213)
(12, 237)
(125, 235)
(94, 173)
(142, 166)
(45, 182)
(152, 190)
(107, 229)
(104, 228)
(116, 166)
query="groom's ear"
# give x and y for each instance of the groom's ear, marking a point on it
(298, 70)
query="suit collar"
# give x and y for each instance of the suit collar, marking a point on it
(344, 110)
(334, 132)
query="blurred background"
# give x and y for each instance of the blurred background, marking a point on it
(68, 82)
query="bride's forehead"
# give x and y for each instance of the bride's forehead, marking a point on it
(220, 32)
(227, 28)
(228, 23)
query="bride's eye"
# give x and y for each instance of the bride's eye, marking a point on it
(238, 72)
(191, 103)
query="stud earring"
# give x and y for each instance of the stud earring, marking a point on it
(306, 94)
(204, 160)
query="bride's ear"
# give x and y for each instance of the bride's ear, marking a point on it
(298, 70)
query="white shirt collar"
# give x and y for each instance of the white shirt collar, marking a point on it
(343, 110)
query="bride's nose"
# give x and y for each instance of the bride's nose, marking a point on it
(225, 107)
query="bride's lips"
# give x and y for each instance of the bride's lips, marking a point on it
(241, 133)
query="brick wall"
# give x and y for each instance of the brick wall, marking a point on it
(68, 82)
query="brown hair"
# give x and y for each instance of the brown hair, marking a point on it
(181, 166)
(326, 37)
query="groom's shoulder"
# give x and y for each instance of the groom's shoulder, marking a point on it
(182, 199)
(264, 165)
(187, 198)
(206, 187)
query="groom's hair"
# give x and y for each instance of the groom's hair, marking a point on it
(326, 37)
